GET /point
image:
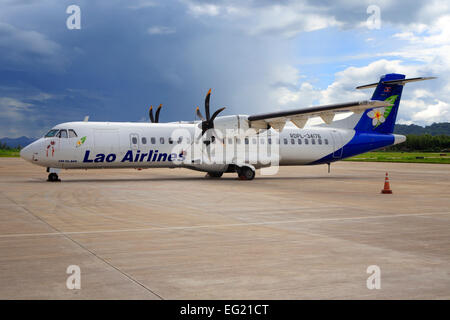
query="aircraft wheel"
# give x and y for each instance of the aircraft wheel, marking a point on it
(246, 173)
(53, 177)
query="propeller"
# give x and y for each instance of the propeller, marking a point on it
(208, 122)
(150, 113)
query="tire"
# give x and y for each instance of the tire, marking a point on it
(53, 177)
(246, 173)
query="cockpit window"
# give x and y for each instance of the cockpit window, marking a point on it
(72, 133)
(62, 133)
(51, 133)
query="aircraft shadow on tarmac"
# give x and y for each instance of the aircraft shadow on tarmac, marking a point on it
(201, 178)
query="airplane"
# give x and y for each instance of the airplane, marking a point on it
(220, 144)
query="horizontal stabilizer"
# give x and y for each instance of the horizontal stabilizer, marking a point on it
(392, 82)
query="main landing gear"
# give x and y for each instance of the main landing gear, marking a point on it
(245, 173)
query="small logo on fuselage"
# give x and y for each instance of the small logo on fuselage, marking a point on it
(51, 147)
(80, 142)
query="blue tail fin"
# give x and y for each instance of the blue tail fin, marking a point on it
(382, 120)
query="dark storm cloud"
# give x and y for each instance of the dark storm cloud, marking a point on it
(125, 57)
(130, 54)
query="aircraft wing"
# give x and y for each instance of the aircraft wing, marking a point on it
(299, 117)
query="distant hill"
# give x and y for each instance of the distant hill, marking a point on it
(16, 142)
(434, 129)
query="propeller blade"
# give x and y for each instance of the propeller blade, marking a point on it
(199, 114)
(208, 96)
(216, 113)
(150, 113)
(157, 113)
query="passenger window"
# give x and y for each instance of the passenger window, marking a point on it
(180, 139)
(299, 141)
(246, 140)
(153, 140)
(161, 140)
(313, 141)
(269, 140)
(306, 141)
(72, 133)
(292, 141)
(254, 140)
(320, 141)
(170, 141)
(285, 141)
(238, 141)
(144, 140)
(62, 134)
(230, 141)
(261, 141)
(134, 140)
(326, 141)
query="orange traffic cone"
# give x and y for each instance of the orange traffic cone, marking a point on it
(387, 186)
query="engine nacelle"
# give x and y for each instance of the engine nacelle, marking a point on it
(231, 126)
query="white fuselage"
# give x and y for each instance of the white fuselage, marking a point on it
(148, 145)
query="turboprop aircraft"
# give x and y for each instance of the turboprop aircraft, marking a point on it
(235, 143)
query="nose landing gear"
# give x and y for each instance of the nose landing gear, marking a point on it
(53, 175)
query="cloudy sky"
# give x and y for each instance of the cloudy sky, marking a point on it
(257, 56)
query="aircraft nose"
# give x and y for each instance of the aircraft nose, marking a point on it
(26, 153)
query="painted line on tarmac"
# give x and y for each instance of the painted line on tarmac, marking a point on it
(221, 225)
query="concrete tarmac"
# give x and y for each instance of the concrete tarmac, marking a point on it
(172, 234)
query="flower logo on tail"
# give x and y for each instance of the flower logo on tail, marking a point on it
(379, 115)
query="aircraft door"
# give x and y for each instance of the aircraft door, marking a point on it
(71, 141)
(338, 144)
(61, 145)
(134, 141)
